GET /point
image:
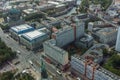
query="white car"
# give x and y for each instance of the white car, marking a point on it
(78, 78)
(59, 72)
(18, 51)
(30, 62)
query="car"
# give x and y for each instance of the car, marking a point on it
(78, 78)
(30, 62)
(59, 72)
(51, 76)
(18, 51)
(17, 62)
(7, 36)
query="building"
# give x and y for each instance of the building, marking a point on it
(117, 47)
(112, 13)
(16, 31)
(90, 26)
(106, 35)
(33, 40)
(94, 7)
(29, 11)
(55, 53)
(95, 52)
(90, 69)
(85, 41)
(13, 15)
(62, 37)
(68, 34)
(97, 24)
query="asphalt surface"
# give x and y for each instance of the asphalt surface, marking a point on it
(15, 47)
(25, 56)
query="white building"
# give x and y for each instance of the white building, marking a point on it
(33, 40)
(112, 13)
(107, 35)
(16, 31)
(117, 47)
(68, 34)
(90, 26)
(57, 54)
(29, 11)
(94, 7)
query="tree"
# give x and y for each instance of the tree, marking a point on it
(11, 76)
(116, 61)
(7, 75)
(24, 76)
(5, 53)
(34, 16)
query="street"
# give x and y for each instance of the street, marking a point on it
(25, 56)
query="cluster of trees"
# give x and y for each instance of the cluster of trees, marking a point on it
(7, 75)
(5, 53)
(11, 76)
(34, 16)
(85, 3)
(1, 14)
(113, 64)
(5, 27)
(24, 76)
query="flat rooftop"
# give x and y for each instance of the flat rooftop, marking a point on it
(107, 31)
(22, 28)
(86, 38)
(33, 35)
(29, 11)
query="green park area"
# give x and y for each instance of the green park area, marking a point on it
(5, 53)
(113, 64)
(85, 3)
(10, 75)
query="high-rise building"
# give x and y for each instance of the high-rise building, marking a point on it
(55, 53)
(68, 34)
(117, 47)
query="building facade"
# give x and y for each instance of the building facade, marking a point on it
(85, 41)
(33, 40)
(107, 35)
(117, 47)
(16, 31)
(92, 70)
(68, 34)
(57, 54)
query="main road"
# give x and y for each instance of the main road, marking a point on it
(25, 55)
(15, 47)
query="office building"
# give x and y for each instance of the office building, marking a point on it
(68, 34)
(85, 41)
(90, 69)
(106, 35)
(55, 53)
(16, 31)
(33, 40)
(117, 47)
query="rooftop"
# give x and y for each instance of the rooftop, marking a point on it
(86, 38)
(52, 44)
(29, 11)
(33, 35)
(107, 31)
(21, 28)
